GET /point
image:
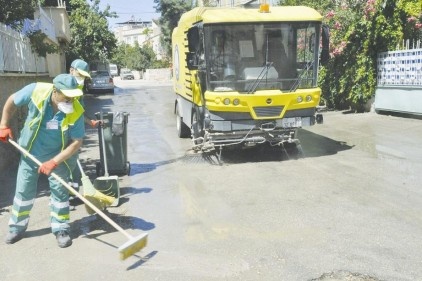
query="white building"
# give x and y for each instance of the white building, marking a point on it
(143, 32)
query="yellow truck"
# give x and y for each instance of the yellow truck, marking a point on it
(246, 76)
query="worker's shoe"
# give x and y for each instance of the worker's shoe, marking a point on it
(13, 237)
(63, 239)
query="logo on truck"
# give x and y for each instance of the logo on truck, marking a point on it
(176, 62)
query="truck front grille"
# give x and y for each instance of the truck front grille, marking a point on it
(268, 111)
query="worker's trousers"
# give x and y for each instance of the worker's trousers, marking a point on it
(26, 190)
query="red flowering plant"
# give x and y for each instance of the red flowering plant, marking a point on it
(360, 29)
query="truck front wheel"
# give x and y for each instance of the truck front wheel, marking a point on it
(197, 131)
(183, 130)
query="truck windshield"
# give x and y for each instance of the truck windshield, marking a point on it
(261, 56)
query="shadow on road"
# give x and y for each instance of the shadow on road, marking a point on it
(93, 223)
(315, 145)
(311, 145)
(142, 260)
(189, 158)
(38, 232)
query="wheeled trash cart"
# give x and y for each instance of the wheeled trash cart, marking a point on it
(115, 143)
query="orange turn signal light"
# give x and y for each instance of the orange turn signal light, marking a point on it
(264, 8)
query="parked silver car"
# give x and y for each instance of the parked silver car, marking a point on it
(101, 81)
(126, 74)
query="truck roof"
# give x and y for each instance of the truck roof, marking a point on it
(209, 15)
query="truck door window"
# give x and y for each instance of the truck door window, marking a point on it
(195, 55)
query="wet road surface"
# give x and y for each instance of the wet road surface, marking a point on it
(349, 209)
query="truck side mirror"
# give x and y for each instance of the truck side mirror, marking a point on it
(192, 61)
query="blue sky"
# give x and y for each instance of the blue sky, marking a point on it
(140, 10)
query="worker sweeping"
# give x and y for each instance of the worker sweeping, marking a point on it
(53, 133)
(80, 70)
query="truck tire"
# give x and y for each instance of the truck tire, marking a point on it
(197, 131)
(183, 130)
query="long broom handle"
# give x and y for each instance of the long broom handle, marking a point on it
(71, 189)
(103, 144)
(80, 167)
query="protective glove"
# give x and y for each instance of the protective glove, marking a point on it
(5, 134)
(47, 167)
(94, 123)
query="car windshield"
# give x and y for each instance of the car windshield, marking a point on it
(99, 73)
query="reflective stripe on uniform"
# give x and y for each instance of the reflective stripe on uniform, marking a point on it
(23, 203)
(55, 227)
(20, 214)
(59, 205)
(59, 217)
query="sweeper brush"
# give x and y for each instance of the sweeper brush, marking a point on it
(99, 199)
(128, 249)
(107, 184)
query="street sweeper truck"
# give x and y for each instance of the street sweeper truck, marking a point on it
(245, 76)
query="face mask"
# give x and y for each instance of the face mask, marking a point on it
(65, 107)
(80, 80)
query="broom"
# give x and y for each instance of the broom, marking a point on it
(99, 199)
(134, 245)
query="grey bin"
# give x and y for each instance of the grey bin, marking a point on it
(115, 142)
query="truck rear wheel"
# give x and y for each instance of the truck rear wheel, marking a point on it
(183, 130)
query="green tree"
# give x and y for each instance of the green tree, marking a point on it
(359, 31)
(171, 11)
(13, 12)
(126, 56)
(91, 38)
(358, 37)
(161, 64)
(40, 45)
(148, 57)
(136, 57)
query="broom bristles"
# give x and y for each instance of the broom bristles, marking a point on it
(133, 246)
(100, 200)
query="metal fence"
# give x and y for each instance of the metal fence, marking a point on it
(16, 55)
(403, 67)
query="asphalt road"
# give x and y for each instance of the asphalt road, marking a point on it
(349, 209)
